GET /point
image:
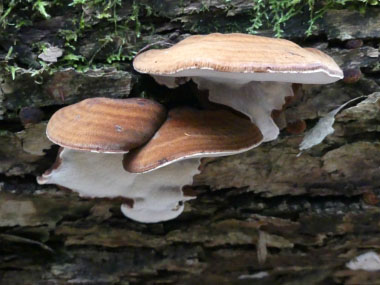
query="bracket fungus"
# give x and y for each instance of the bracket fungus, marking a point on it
(251, 74)
(131, 148)
(156, 195)
(191, 134)
(94, 134)
(97, 133)
(106, 125)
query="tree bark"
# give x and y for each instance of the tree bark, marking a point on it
(267, 216)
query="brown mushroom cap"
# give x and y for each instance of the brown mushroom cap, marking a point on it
(190, 133)
(106, 125)
(255, 58)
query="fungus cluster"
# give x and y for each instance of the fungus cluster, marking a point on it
(251, 74)
(161, 152)
(135, 149)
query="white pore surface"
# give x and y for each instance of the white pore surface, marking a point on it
(369, 261)
(256, 100)
(166, 80)
(156, 194)
(318, 76)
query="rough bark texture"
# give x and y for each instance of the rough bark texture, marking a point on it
(299, 219)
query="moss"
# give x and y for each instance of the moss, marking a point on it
(80, 18)
(99, 33)
(276, 14)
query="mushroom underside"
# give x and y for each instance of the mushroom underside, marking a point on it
(172, 159)
(157, 195)
(311, 76)
(254, 99)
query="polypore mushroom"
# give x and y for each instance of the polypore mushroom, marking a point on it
(100, 125)
(106, 125)
(185, 137)
(189, 133)
(251, 74)
(156, 195)
(110, 127)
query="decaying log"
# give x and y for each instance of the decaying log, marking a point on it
(267, 216)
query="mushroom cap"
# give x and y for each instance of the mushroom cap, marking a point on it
(106, 125)
(240, 57)
(189, 133)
